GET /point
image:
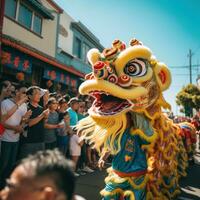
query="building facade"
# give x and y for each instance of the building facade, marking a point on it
(29, 43)
(42, 45)
(74, 41)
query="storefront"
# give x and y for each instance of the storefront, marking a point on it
(20, 63)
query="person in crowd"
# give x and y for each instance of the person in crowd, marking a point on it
(67, 97)
(12, 91)
(196, 123)
(44, 97)
(81, 110)
(4, 93)
(52, 124)
(73, 108)
(83, 161)
(4, 90)
(64, 133)
(75, 150)
(75, 143)
(13, 127)
(63, 106)
(89, 102)
(46, 175)
(49, 86)
(34, 141)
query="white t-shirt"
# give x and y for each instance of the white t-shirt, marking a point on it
(14, 120)
(75, 148)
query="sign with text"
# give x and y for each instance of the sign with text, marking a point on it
(16, 61)
(59, 77)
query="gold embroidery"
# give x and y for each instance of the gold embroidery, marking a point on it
(129, 145)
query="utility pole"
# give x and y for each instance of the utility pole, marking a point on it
(190, 64)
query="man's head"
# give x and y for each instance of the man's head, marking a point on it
(20, 91)
(52, 104)
(47, 175)
(5, 88)
(82, 107)
(74, 103)
(63, 103)
(33, 93)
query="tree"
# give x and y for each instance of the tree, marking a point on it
(189, 98)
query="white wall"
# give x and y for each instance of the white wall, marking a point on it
(66, 42)
(46, 43)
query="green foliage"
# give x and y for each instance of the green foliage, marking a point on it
(189, 98)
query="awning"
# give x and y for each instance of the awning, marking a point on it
(41, 9)
(39, 55)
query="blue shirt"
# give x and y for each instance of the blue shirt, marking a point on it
(131, 157)
(73, 117)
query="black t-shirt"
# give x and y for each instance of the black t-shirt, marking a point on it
(35, 133)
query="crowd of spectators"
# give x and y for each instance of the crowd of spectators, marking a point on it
(33, 119)
(190, 133)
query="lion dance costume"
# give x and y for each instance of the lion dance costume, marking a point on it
(126, 120)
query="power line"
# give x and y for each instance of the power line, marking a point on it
(180, 74)
(185, 66)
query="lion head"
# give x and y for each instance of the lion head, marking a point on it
(124, 79)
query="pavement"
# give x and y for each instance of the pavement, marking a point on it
(90, 185)
(190, 185)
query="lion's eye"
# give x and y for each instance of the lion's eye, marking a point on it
(136, 67)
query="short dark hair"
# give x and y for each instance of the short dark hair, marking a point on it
(31, 89)
(67, 97)
(53, 164)
(73, 100)
(4, 84)
(54, 94)
(62, 115)
(62, 100)
(51, 100)
(19, 86)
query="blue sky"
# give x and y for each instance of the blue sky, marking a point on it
(168, 27)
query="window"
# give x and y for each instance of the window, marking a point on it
(10, 8)
(86, 48)
(77, 47)
(25, 16)
(37, 24)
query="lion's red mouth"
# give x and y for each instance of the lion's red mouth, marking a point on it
(106, 104)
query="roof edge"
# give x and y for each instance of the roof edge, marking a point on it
(55, 5)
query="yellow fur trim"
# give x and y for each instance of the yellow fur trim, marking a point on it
(143, 135)
(107, 193)
(172, 183)
(118, 191)
(184, 174)
(114, 178)
(129, 194)
(164, 123)
(105, 133)
(155, 190)
(148, 147)
(174, 194)
(162, 102)
(152, 117)
(149, 196)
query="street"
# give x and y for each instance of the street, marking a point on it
(89, 185)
